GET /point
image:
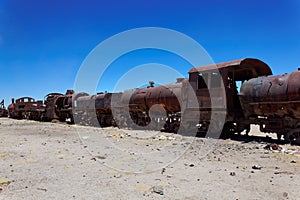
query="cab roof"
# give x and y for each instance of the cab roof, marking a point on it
(243, 69)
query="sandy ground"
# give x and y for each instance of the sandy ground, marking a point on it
(59, 161)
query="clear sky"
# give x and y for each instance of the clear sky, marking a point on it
(43, 43)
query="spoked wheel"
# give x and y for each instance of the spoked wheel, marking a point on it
(293, 136)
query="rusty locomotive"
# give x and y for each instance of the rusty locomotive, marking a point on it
(191, 104)
(3, 110)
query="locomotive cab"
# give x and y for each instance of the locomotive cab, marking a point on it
(217, 93)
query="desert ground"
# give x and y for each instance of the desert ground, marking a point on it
(61, 161)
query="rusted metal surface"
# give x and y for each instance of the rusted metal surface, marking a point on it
(210, 92)
(59, 106)
(154, 100)
(244, 68)
(3, 110)
(273, 102)
(26, 108)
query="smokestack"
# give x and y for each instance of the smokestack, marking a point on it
(179, 80)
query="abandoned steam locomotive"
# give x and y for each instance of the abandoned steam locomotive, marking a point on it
(196, 103)
(3, 110)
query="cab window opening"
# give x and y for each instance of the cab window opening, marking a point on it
(202, 79)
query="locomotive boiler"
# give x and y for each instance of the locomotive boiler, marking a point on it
(274, 104)
(156, 106)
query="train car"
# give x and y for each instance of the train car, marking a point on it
(208, 101)
(159, 106)
(94, 110)
(59, 106)
(209, 94)
(3, 110)
(274, 104)
(26, 108)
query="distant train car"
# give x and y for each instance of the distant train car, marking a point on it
(59, 106)
(89, 108)
(26, 108)
(3, 110)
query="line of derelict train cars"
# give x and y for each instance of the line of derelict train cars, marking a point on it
(272, 102)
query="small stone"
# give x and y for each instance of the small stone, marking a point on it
(101, 157)
(232, 174)
(158, 190)
(118, 175)
(256, 167)
(293, 161)
(285, 194)
(191, 165)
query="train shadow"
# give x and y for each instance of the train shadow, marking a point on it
(243, 138)
(253, 138)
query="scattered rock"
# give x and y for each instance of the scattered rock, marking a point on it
(232, 174)
(54, 121)
(293, 161)
(4, 182)
(43, 189)
(256, 167)
(284, 172)
(101, 157)
(158, 189)
(118, 175)
(162, 137)
(272, 147)
(285, 194)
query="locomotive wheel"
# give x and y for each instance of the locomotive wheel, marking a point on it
(293, 136)
(229, 129)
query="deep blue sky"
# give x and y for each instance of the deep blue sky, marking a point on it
(43, 43)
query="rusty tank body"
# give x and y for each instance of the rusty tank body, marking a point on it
(274, 104)
(154, 104)
(89, 108)
(26, 108)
